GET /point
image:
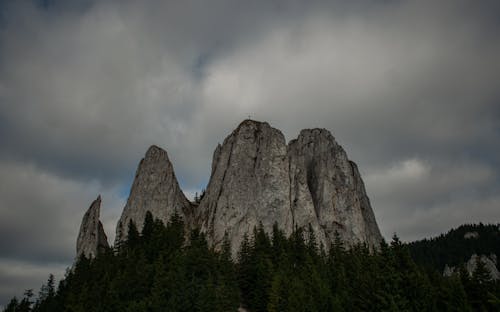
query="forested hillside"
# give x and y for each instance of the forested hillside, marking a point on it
(157, 270)
(457, 246)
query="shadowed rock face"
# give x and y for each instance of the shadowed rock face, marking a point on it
(155, 189)
(256, 178)
(91, 238)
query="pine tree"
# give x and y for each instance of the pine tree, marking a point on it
(13, 305)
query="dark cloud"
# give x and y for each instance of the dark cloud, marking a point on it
(411, 89)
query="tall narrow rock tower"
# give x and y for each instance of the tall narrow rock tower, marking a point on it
(91, 239)
(155, 189)
(249, 185)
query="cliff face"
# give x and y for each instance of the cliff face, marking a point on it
(256, 178)
(249, 185)
(155, 189)
(91, 238)
(327, 191)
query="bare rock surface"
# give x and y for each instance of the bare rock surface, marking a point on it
(249, 185)
(91, 239)
(490, 263)
(471, 235)
(155, 189)
(256, 178)
(327, 191)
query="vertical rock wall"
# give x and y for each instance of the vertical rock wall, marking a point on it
(155, 189)
(91, 238)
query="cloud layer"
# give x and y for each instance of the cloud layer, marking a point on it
(411, 89)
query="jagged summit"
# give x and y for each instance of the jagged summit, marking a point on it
(91, 238)
(249, 184)
(257, 178)
(155, 189)
(327, 190)
(155, 153)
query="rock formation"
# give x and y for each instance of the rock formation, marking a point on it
(91, 238)
(249, 185)
(256, 178)
(471, 235)
(327, 191)
(490, 263)
(155, 189)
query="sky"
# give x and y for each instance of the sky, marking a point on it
(410, 89)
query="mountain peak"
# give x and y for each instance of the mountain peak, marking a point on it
(91, 238)
(155, 152)
(155, 189)
(257, 178)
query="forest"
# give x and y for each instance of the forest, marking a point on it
(162, 268)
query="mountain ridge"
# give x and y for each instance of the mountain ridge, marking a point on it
(259, 179)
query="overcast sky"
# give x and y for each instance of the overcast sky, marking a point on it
(411, 90)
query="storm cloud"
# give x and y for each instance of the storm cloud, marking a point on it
(411, 89)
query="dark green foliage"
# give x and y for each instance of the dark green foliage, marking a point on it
(453, 249)
(165, 269)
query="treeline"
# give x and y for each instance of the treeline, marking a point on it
(159, 270)
(454, 249)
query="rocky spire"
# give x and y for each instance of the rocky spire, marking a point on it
(256, 178)
(91, 238)
(249, 185)
(155, 189)
(327, 191)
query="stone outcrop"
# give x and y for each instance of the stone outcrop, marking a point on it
(249, 185)
(490, 263)
(91, 239)
(471, 235)
(155, 189)
(257, 178)
(327, 191)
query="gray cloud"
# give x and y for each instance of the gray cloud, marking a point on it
(410, 89)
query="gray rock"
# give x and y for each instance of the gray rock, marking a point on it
(256, 178)
(91, 239)
(471, 235)
(155, 189)
(448, 271)
(490, 263)
(327, 191)
(249, 185)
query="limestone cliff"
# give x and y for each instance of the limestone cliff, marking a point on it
(91, 238)
(155, 189)
(327, 191)
(256, 178)
(249, 185)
